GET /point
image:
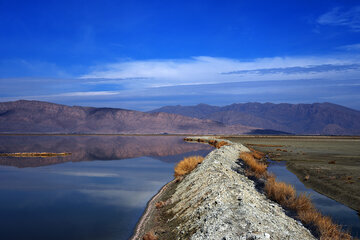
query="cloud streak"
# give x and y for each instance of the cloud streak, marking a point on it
(210, 70)
(298, 70)
(339, 17)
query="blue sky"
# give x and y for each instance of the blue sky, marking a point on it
(146, 54)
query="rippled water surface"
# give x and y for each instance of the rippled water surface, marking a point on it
(99, 192)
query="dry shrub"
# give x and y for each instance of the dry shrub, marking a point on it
(150, 236)
(257, 169)
(309, 217)
(302, 203)
(256, 154)
(280, 192)
(187, 165)
(220, 144)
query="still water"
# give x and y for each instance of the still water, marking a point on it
(99, 192)
(338, 212)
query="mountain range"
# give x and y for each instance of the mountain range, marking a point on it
(316, 118)
(43, 117)
(247, 118)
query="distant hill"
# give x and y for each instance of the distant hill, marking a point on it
(43, 117)
(317, 118)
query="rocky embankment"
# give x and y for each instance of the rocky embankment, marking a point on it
(218, 201)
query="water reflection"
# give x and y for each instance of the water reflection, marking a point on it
(88, 148)
(340, 213)
(85, 198)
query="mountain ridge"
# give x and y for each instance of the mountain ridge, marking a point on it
(43, 117)
(316, 118)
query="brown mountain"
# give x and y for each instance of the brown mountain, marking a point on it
(317, 118)
(42, 117)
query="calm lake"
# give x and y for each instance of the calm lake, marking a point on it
(99, 192)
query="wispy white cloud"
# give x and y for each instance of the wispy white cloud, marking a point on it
(340, 17)
(350, 47)
(86, 94)
(207, 70)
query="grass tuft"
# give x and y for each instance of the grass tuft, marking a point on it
(220, 144)
(256, 168)
(187, 165)
(280, 192)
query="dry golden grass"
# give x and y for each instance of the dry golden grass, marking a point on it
(256, 154)
(280, 192)
(150, 236)
(285, 195)
(326, 228)
(301, 203)
(220, 144)
(256, 168)
(187, 165)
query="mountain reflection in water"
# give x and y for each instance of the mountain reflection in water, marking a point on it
(88, 148)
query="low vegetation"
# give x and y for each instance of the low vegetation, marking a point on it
(285, 194)
(34, 154)
(187, 165)
(212, 142)
(255, 168)
(217, 144)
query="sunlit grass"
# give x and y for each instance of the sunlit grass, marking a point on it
(187, 165)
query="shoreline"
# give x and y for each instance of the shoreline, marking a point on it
(140, 229)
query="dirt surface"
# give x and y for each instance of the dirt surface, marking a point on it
(329, 165)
